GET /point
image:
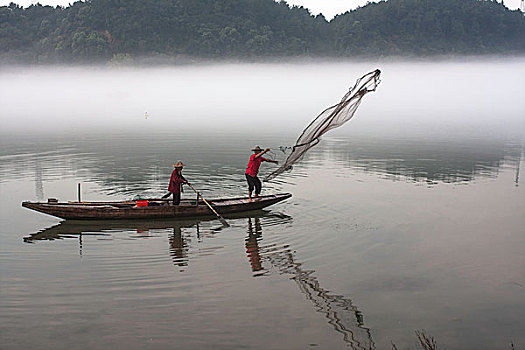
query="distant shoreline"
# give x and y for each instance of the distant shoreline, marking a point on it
(162, 61)
(182, 32)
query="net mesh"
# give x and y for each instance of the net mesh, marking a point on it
(331, 118)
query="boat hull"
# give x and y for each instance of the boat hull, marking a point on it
(157, 209)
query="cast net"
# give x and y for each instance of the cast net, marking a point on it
(331, 118)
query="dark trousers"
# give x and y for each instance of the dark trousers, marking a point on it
(253, 182)
(176, 198)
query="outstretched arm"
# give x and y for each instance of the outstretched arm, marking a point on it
(270, 160)
(261, 153)
(266, 159)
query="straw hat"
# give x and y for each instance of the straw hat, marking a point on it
(179, 165)
(257, 149)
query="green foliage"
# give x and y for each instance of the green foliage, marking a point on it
(422, 27)
(104, 30)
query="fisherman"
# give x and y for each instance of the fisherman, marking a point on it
(253, 169)
(176, 182)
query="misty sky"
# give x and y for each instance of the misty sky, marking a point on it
(329, 8)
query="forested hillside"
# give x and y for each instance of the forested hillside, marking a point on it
(423, 27)
(121, 30)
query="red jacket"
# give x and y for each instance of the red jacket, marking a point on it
(176, 182)
(253, 165)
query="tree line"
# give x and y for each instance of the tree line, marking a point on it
(121, 30)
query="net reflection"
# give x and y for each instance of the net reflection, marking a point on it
(342, 315)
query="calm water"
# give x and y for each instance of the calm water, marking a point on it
(388, 231)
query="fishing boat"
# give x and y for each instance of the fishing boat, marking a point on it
(153, 208)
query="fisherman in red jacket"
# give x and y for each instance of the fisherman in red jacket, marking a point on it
(176, 182)
(253, 169)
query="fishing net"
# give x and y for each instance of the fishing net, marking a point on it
(331, 118)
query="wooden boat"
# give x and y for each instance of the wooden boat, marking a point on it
(152, 208)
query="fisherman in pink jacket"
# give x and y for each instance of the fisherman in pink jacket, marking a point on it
(253, 169)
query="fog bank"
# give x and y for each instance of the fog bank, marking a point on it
(430, 96)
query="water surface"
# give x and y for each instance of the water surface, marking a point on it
(389, 230)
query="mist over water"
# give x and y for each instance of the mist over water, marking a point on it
(470, 96)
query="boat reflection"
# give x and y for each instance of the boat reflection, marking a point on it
(80, 229)
(264, 258)
(180, 232)
(342, 315)
(74, 228)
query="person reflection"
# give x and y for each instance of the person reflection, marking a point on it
(340, 311)
(178, 248)
(252, 246)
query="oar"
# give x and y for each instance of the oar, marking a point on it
(221, 219)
